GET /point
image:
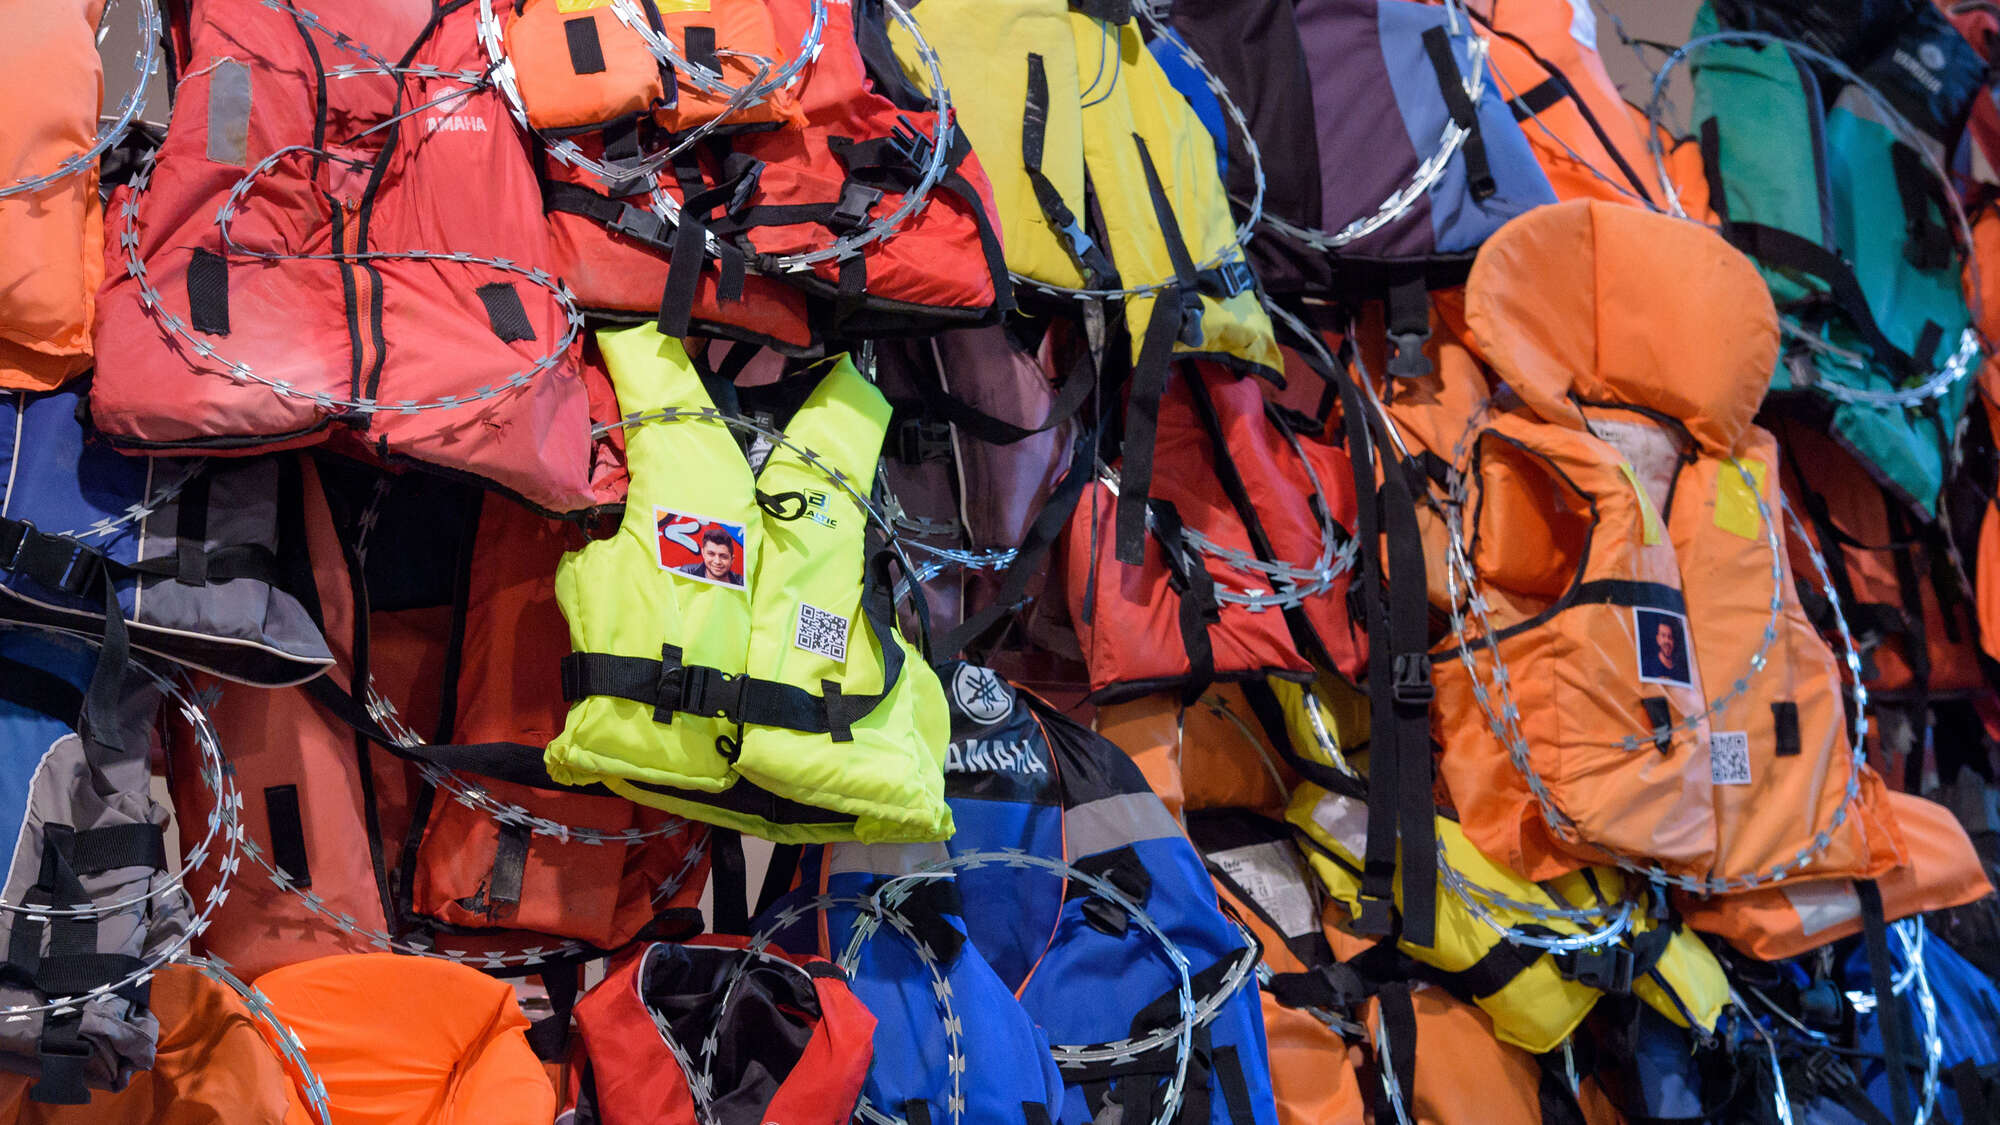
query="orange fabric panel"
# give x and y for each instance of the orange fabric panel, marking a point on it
(1464, 1076)
(54, 237)
(413, 1041)
(213, 1067)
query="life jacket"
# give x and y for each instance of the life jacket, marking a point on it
(790, 1039)
(1448, 1068)
(403, 855)
(212, 1064)
(1424, 61)
(49, 213)
(828, 159)
(379, 299)
(1633, 692)
(1813, 191)
(1942, 870)
(1053, 789)
(1197, 611)
(778, 697)
(1261, 880)
(412, 1041)
(980, 445)
(1962, 1015)
(1588, 142)
(1208, 754)
(87, 835)
(1254, 51)
(197, 555)
(1535, 998)
(948, 1029)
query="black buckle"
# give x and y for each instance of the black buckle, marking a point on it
(855, 201)
(640, 225)
(1190, 333)
(911, 143)
(746, 186)
(1228, 279)
(696, 689)
(919, 440)
(21, 530)
(1412, 679)
(1406, 355)
(1606, 970)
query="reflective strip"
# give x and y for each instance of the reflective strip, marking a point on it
(882, 859)
(1114, 822)
(1346, 820)
(229, 113)
(1822, 906)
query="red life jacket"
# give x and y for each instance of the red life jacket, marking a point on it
(1224, 468)
(297, 299)
(774, 192)
(363, 830)
(794, 1044)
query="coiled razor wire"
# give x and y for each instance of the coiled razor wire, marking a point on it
(1428, 171)
(152, 502)
(1505, 724)
(567, 151)
(224, 821)
(179, 332)
(144, 62)
(1962, 361)
(1385, 1069)
(1911, 935)
(282, 1037)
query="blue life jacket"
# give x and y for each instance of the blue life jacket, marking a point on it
(1021, 776)
(1967, 1010)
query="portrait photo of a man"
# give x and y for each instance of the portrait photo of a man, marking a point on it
(1663, 647)
(693, 546)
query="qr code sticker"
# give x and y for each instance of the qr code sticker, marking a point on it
(1729, 757)
(822, 633)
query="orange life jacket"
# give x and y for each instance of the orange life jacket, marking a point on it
(1449, 1069)
(1614, 527)
(412, 1041)
(53, 234)
(1943, 870)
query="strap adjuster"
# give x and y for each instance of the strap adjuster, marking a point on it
(1606, 970)
(856, 200)
(22, 531)
(911, 142)
(640, 225)
(920, 440)
(1412, 679)
(696, 689)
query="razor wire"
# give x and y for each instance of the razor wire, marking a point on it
(283, 1038)
(1911, 934)
(712, 82)
(1429, 170)
(145, 61)
(1505, 724)
(1385, 1069)
(1960, 363)
(179, 331)
(144, 507)
(224, 821)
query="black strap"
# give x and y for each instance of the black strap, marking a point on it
(1200, 610)
(586, 53)
(191, 531)
(779, 875)
(1785, 728)
(510, 868)
(1451, 83)
(1407, 322)
(548, 1037)
(288, 834)
(1974, 1085)
(1089, 257)
(1928, 243)
(1399, 1025)
(1660, 714)
(1227, 1069)
(699, 47)
(1539, 97)
(1890, 1014)
(208, 292)
(917, 1111)
(504, 311)
(728, 882)
(40, 691)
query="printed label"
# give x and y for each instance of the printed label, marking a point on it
(1729, 757)
(981, 696)
(1270, 875)
(1662, 637)
(822, 633)
(697, 547)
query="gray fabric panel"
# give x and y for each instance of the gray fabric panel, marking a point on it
(882, 859)
(229, 113)
(1114, 822)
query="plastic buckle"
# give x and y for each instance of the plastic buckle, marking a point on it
(855, 202)
(1374, 917)
(1606, 970)
(1191, 317)
(640, 225)
(919, 440)
(911, 143)
(746, 186)
(1412, 679)
(22, 531)
(1080, 244)
(80, 570)
(1233, 277)
(1406, 355)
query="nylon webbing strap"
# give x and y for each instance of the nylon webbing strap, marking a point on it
(1199, 611)
(1890, 1015)
(1451, 84)
(1083, 250)
(728, 883)
(1070, 395)
(1927, 241)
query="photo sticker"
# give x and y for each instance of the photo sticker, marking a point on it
(706, 550)
(1663, 647)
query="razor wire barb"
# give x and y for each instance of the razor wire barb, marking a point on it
(1956, 366)
(145, 61)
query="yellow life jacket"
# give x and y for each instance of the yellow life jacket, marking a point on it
(767, 690)
(1534, 997)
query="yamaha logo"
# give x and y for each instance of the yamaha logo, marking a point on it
(981, 695)
(1931, 55)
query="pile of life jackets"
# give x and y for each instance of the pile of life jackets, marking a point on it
(1049, 562)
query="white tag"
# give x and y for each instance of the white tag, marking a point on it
(1269, 874)
(1583, 23)
(821, 633)
(1729, 757)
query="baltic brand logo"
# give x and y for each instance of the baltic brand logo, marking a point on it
(980, 694)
